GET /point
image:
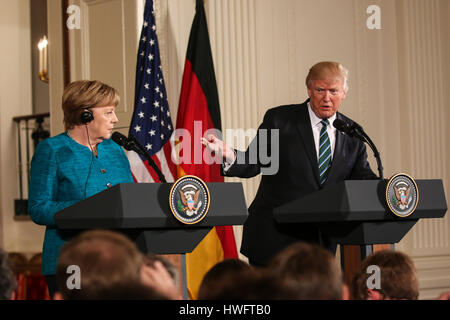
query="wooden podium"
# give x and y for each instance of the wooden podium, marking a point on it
(355, 215)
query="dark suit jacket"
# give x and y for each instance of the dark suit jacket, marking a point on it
(297, 176)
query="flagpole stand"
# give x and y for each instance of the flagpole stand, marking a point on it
(183, 277)
(179, 262)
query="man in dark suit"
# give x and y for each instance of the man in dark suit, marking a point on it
(312, 154)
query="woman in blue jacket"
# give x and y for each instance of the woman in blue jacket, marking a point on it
(76, 164)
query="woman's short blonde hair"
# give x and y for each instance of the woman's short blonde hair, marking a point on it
(327, 70)
(85, 94)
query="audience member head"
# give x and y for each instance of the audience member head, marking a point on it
(8, 281)
(310, 269)
(249, 284)
(397, 277)
(219, 275)
(109, 266)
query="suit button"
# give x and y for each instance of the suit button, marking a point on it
(102, 170)
(108, 185)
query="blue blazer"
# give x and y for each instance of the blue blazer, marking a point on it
(61, 171)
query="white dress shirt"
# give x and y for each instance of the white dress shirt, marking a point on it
(317, 126)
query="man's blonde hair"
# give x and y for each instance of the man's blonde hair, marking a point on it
(327, 70)
(85, 94)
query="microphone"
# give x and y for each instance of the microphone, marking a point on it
(127, 143)
(355, 130)
(132, 144)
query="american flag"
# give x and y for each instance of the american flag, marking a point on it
(151, 123)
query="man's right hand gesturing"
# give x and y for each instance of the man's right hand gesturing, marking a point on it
(219, 147)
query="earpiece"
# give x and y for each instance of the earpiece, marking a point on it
(86, 116)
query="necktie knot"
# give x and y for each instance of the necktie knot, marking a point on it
(324, 122)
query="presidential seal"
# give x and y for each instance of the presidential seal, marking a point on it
(189, 199)
(402, 195)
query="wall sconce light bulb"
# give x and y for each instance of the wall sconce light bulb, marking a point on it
(42, 46)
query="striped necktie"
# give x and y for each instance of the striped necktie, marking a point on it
(324, 152)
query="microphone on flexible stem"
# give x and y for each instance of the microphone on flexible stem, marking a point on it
(132, 144)
(351, 131)
(355, 130)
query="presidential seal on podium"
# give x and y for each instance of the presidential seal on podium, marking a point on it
(402, 195)
(189, 199)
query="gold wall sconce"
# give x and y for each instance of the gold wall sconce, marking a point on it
(43, 59)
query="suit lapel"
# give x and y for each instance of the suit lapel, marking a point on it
(304, 127)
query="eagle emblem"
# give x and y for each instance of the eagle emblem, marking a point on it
(402, 195)
(189, 199)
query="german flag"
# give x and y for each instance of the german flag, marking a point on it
(199, 108)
